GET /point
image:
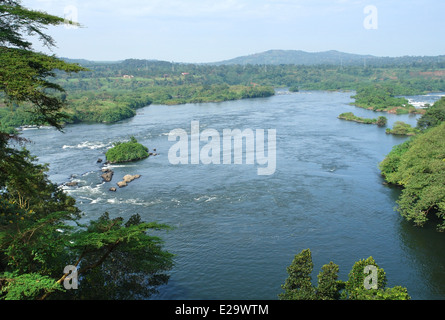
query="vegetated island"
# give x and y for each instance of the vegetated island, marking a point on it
(382, 98)
(349, 116)
(127, 151)
(403, 129)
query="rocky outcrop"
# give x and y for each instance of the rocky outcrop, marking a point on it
(72, 184)
(127, 179)
(107, 175)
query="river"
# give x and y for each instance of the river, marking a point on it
(236, 231)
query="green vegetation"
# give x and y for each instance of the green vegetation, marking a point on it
(127, 151)
(349, 116)
(433, 116)
(109, 92)
(298, 286)
(418, 165)
(40, 227)
(403, 129)
(381, 98)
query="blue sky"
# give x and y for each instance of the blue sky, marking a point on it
(214, 30)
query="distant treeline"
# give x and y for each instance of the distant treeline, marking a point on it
(110, 92)
(408, 78)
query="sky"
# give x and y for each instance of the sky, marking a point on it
(198, 31)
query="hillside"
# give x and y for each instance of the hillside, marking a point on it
(298, 57)
(332, 57)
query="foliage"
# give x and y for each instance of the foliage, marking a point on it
(419, 167)
(127, 151)
(27, 286)
(381, 121)
(120, 260)
(433, 116)
(298, 285)
(402, 128)
(355, 289)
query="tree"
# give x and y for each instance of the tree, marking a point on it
(24, 73)
(328, 287)
(298, 285)
(381, 121)
(355, 288)
(402, 128)
(40, 233)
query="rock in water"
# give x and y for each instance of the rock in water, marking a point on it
(107, 176)
(122, 184)
(127, 179)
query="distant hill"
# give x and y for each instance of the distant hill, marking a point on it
(299, 57)
(332, 57)
(277, 57)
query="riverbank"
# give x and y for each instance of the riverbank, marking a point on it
(105, 106)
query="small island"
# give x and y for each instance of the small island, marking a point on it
(349, 116)
(127, 151)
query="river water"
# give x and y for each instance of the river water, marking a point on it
(235, 231)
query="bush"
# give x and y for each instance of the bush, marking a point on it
(381, 121)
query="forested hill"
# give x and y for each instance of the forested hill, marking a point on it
(299, 57)
(332, 57)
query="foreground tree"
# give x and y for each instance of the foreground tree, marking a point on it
(298, 286)
(24, 73)
(40, 233)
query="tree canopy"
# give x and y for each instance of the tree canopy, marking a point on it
(359, 286)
